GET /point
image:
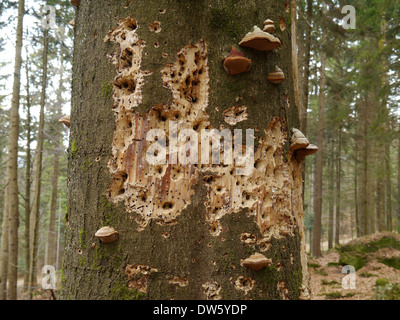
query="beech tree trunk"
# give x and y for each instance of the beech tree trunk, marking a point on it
(184, 229)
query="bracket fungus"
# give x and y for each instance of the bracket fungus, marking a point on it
(72, 23)
(298, 140)
(269, 26)
(300, 154)
(257, 261)
(260, 40)
(236, 63)
(65, 120)
(107, 234)
(277, 76)
(76, 3)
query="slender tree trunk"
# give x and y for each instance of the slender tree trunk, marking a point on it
(52, 241)
(4, 248)
(356, 208)
(304, 92)
(331, 200)
(338, 187)
(35, 213)
(398, 184)
(27, 177)
(183, 229)
(389, 215)
(320, 140)
(13, 162)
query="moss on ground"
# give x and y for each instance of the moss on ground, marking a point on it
(355, 253)
(384, 290)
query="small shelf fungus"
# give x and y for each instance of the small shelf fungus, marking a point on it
(107, 234)
(65, 120)
(298, 140)
(269, 26)
(257, 261)
(277, 76)
(260, 40)
(76, 3)
(72, 23)
(300, 154)
(236, 63)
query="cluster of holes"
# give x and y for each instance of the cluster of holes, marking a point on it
(126, 84)
(155, 26)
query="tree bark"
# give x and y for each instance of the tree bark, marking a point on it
(4, 248)
(27, 177)
(304, 92)
(338, 187)
(52, 241)
(331, 200)
(13, 162)
(35, 213)
(183, 229)
(320, 140)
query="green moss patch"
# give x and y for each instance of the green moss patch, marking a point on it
(355, 253)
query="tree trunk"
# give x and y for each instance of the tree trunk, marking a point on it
(4, 248)
(320, 140)
(331, 199)
(306, 65)
(52, 241)
(184, 229)
(338, 187)
(35, 213)
(398, 184)
(13, 162)
(27, 178)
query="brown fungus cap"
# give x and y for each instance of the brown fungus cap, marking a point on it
(236, 63)
(65, 120)
(260, 40)
(257, 261)
(107, 234)
(269, 26)
(300, 154)
(298, 140)
(76, 3)
(277, 76)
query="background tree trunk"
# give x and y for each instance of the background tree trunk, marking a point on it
(35, 213)
(27, 177)
(186, 234)
(13, 162)
(338, 184)
(320, 140)
(4, 248)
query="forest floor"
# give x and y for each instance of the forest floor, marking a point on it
(326, 276)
